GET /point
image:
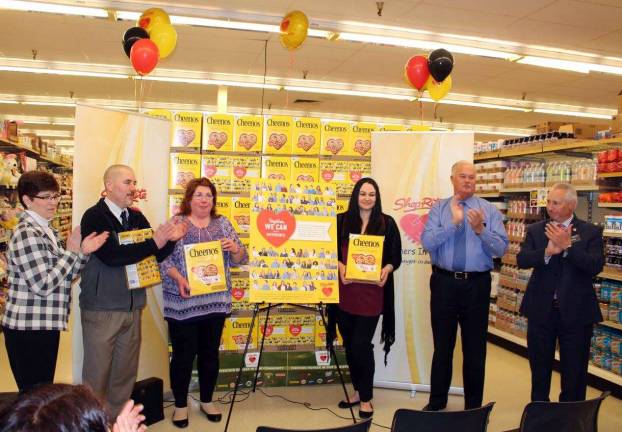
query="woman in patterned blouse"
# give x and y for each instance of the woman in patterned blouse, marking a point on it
(195, 323)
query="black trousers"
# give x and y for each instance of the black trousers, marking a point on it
(32, 356)
(456, 302)
(574, 354)
(199, 339)
(357, 332)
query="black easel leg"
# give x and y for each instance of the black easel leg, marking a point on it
(242, 363)
(334, 355)
(263, 338)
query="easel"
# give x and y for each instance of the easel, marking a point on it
(318, 309)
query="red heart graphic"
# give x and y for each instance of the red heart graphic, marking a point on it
(252, 358)
(355, 176)
(295, 329)
(328, 175)
(323, 357)
(239, 171)
(327, 291)
(276, 228)
(266, 330)
(237, 293)
(413, 224)
(209, 171)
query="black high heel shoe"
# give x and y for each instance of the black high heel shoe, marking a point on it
(214, 418)
(345, 404)
(366, 414)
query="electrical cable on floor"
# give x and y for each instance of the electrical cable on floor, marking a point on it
(310, 407)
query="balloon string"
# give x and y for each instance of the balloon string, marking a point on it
(135, 93)
(435, 108)
(292, 60)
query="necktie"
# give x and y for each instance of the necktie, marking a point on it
(459, 260)
(124, 222)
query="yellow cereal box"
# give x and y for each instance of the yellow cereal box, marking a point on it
(364, 258)
(205, 267)
(306, 136)
(248, 136)
(287, 332)
(392, 128)
(144, 273)
(239, 295)
(320, 334)
(360, 139)
(418, 128)
(160, 113)
(217, 168)
(243, 169)
(187, 129)
(223, 206)
(278, 135)
(276, 167)
(236, 331)
(218, 132)
(183, 168)
(357, 170)
(335, 135)
(174, 204)
(241, 214)
(332, 171)
(305, 169)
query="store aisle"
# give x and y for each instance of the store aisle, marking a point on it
(507, 383)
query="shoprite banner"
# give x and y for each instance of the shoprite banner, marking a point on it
(103, 138)
(413, 170)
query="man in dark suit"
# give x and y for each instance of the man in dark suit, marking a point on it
(560, 303)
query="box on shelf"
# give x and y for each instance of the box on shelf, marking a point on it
(548, 126)
(581, 130)
(8, 130)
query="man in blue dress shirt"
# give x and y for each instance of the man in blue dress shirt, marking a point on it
(463, 234)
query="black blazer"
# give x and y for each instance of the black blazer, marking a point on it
(571, 275)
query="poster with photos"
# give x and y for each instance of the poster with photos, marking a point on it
(293, 243)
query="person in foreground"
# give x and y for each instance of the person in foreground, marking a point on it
(361, 304)
(110, 311)
(67, 408)
(40, 272)
(195, 323)
(560, 303)
(462, 234)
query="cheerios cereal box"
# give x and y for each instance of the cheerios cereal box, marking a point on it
(305, 169)
(223, 206)
(278, 135)
(335, 136)
(248, 136)
(183, 168)
(364, 260)
(160, 113)
(243, 170)
(217, 168)
(306, 136)
(205, 267)
(392, 128)
(218, 132)
(360, 139)
(276, 167)
(187, 129)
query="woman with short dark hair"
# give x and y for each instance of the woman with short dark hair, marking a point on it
(195, 323)
(361, 304)
(40, 275)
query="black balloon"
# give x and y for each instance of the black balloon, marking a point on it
(440, 68)
(438, 53)
(131, 36)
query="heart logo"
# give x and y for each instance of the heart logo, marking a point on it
(210, 171)
(413, 224)
(267, 331)
(362, 146)
(355, 176)
(327, 291)
(239, 171)
(237, 293)
(217, 139)
(276, 228)
(295, 329)
(334, 145)
(305, 142)
(328, 175)
(323, 357)
(247, 140)
(185, 136)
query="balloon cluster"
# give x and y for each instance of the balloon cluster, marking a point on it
(431, 74)
(152, 39)
(294, 28)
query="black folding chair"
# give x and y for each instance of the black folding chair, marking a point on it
(579, 416)
(473, 420)
(362, 426)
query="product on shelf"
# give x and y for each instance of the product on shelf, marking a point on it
(540, 174)
(489, 176)
(610, 161)
(613, 253)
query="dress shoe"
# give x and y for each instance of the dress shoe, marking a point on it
(215, 418)
(430, 407)
(181, 424)
(366, 414)
(345, 404)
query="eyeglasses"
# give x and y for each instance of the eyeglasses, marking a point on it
(200, 195)
(53, 197)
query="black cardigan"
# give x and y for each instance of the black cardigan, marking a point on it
(391, 254)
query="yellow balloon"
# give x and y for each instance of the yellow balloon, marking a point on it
(151, 17)
(165, 38)
(439, 90)
(429, 82)
(294, 28)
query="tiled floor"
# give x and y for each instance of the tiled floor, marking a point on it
(507, 383)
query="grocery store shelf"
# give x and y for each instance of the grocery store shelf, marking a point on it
(612, 234)
(617, 276)
(609, 205)
(610, 175)
(488, 195)
(611, 324)
(486, 155)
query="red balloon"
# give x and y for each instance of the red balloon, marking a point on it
(417, 71)
(144, 56)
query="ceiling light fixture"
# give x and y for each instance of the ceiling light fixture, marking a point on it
(64, 72)
(476, 104)
(209, 82)
(346, 92)
(573, 113)
(53, 8)
(571, 66)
